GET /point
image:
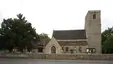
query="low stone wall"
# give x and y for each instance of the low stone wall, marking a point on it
(61, 56)
(72, 57)
(13, 55)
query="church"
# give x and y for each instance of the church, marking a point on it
(87, 40)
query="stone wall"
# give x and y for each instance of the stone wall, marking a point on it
(60, 56)
(73, 57)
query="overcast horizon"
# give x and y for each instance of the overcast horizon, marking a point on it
(49, 15)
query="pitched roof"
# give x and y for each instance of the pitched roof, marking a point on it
(69, 34)
(72, 43)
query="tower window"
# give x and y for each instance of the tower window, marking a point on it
(94, 16)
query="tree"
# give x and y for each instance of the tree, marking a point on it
(43, 36)
(17, 33)
(44, 39)
(107, 41)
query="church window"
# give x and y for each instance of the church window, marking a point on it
(71, 51)
(80, 49)
(94, 50)
(53, 49)
(90, 50)
(75, 49)
(67, 49)
(94, 16)
(87, 50)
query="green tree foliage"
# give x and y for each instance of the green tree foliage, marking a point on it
(43, 36)
(107, 41)
(17, 33)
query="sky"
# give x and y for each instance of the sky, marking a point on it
(49, 15)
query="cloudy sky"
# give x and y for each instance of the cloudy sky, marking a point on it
(49, 15)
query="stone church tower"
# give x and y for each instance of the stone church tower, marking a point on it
(93, 30)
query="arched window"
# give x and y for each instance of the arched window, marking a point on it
(94, 16)
(91, 50)
(53, 49)
(71, 51)
(75, 49)
(67, 49)
(80, 49)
